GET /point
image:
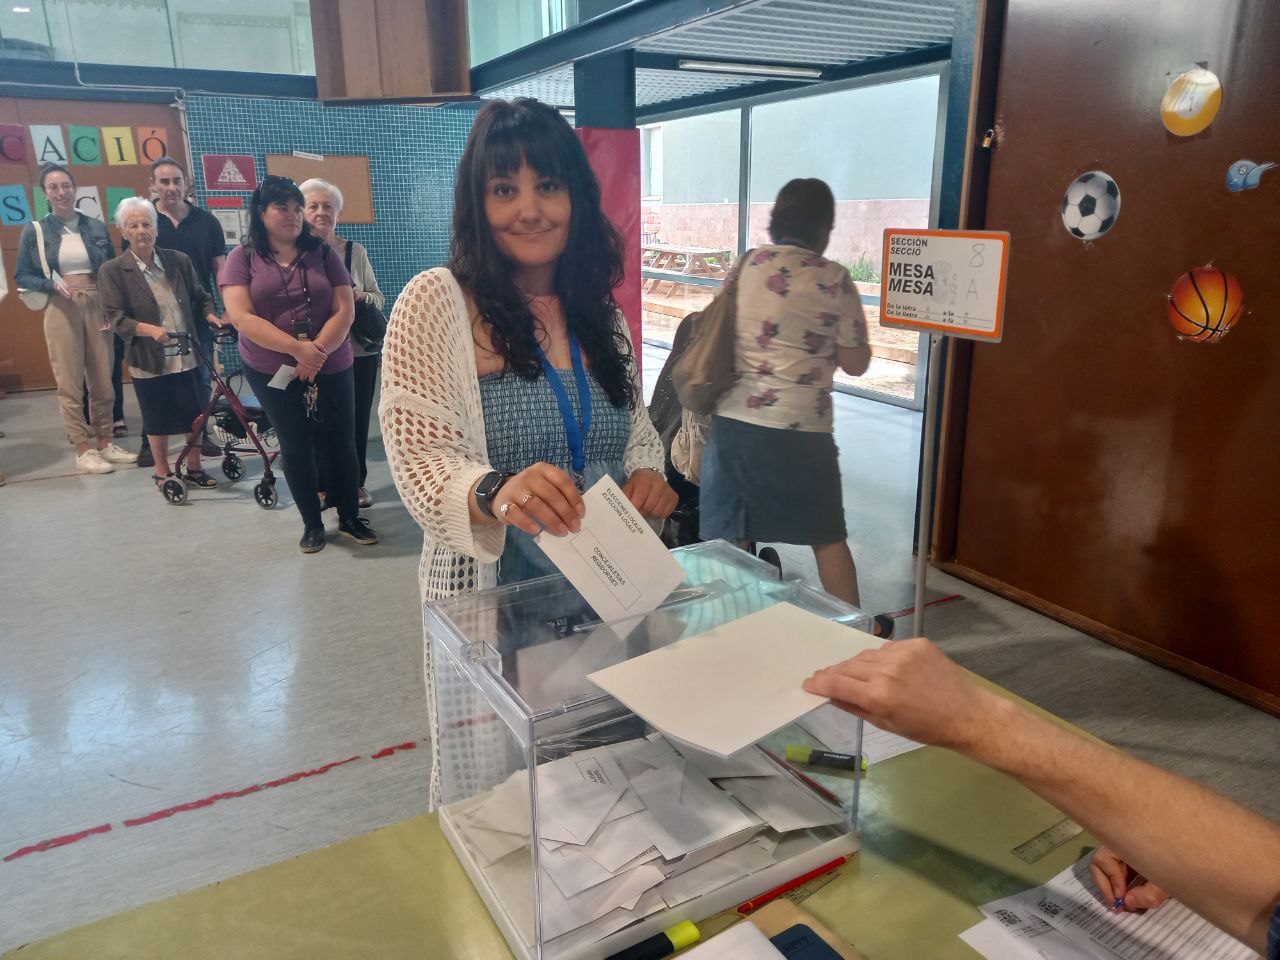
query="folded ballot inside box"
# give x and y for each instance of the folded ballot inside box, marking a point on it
(584, 828)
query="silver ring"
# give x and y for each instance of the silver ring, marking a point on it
(525, 499)
(503, 510)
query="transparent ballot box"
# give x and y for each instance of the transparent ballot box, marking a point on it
(584, 829)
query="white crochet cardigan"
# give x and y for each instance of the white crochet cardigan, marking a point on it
(433, 431)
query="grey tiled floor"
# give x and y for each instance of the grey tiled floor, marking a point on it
(152, 655)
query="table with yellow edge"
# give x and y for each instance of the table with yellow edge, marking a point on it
(938, 834)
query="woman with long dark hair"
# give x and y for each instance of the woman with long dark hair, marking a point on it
(289, 296)
(509, 382)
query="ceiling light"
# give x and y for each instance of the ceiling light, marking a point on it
(21, 9)
(752, 69)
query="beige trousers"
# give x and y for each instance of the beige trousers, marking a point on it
(80, 352)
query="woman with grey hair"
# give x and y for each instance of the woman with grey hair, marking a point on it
(148, 299)
(322, 209)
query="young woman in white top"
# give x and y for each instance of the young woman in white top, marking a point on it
(509, 381)
(80, 346)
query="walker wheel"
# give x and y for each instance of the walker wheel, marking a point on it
(265, 494)
(232, 467)
(174, 490)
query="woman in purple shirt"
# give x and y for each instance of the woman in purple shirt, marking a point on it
(290, 297)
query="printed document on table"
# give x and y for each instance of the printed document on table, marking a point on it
(742, 941)
(615, 560)
(735, 684)
(1072, 905)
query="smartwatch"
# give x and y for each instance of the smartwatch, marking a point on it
(488, 488)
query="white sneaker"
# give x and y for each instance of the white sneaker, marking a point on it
(91, 462)
(113, 454)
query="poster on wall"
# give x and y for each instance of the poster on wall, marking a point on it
(13, 143)
(945, 281)
(235, 225)
(14, 211)
(229, 171)
(89, 202)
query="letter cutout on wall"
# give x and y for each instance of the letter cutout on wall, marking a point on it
(50, 147)
(153, 143)
(114, 196)
(13, 143)
(86, 146)
(89, 202)
(118, 143)
(13, 206)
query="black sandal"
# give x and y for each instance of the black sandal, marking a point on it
(198, 478)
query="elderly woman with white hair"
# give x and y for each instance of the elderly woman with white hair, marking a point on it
(322, 209)
(148, 298)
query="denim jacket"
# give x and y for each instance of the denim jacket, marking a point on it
(28, 273)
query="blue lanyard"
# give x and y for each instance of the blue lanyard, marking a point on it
(575, 433)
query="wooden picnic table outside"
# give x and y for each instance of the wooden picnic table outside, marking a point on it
(691, 261)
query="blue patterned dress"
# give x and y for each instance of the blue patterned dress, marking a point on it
(523, 426)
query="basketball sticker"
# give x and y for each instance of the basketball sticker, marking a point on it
(1091, 205)
(1204, 304)
(1191, 102)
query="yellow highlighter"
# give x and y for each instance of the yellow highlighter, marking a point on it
(661, 944)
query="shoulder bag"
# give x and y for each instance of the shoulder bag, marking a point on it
(369, 328)
(706, 369)
(37, 299)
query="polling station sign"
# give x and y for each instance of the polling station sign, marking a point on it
(950, 282)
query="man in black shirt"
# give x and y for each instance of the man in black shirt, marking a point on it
(198, 234)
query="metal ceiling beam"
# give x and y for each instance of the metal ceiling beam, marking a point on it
(671, 61)
(727, 99)
(622, 28)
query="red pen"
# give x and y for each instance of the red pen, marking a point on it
(790, 885)
(813, 784)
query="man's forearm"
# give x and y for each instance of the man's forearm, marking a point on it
(1220, 858)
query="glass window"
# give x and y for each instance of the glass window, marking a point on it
(689, 215)
(874, 146)
(265, 36)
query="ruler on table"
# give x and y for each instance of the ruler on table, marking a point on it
(1046, 841)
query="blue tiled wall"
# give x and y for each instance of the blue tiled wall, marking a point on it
(412, 154)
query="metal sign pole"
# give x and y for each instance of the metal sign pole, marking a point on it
(926, 481)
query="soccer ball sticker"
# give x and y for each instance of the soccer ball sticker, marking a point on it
(1091, 205)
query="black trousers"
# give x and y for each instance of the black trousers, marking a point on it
(117, 384)
(306, 443)
(365, 370)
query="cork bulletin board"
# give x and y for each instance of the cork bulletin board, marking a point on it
(350, 174)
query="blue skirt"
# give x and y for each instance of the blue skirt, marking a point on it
(770, 485)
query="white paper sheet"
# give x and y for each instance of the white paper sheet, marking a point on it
(613, 921)
(1072, 905)
(283, 377)
(837, 729)
(615, 560)
(742, 941)
(685, 811)
(561, 914)
(780, 803)
(575, 795)
(753, 667)
(618, 841)
(1032, 940)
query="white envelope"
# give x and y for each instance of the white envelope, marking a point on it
(685, 811)
(576, 793)
(737, 863)
(573, 871)
(617, 842)
(561, 914)
(783, 805)
(613, 921)
(615, 560)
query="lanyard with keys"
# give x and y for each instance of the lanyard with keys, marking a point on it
(575, 433)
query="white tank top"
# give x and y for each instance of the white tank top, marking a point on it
(73, 258)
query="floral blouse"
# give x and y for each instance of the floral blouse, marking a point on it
(794, 308)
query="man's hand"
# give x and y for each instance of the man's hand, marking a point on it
(1120, 885)
(912, 688)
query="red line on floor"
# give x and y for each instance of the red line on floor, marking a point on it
(932, 603)
(44, 845)
(388, 751)
(233, 794)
